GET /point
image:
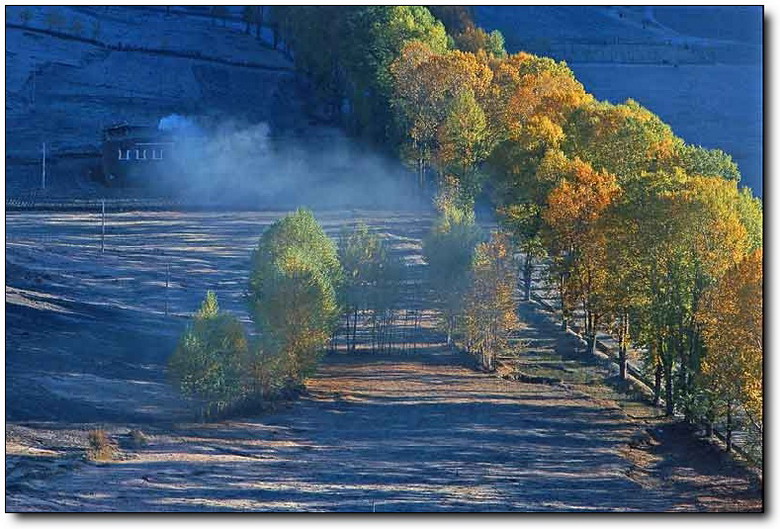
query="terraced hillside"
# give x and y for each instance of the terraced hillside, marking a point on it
(73, 70)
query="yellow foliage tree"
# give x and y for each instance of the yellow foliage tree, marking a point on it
(490, 311)
(731, 319)
(425, 84)
(576, 240)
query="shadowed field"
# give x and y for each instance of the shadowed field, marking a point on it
(414, 431)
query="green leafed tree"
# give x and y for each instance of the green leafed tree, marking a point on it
(211, 360)
(449, 250)
(293, 290)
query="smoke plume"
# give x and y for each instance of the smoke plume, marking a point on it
(234, 164)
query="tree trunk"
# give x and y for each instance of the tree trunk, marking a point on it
(354, 329)
(561, 285)
(590, 330)
(591, 340)
(659, 372)
(729, 427)
(421, 173)
(623, 347)
(528, 269)
(669, 390)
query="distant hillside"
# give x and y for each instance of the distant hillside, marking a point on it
(70, 71)
(699, 68)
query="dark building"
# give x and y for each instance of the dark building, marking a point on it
(135, 155)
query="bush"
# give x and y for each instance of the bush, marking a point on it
(101, 447)
(211, 359)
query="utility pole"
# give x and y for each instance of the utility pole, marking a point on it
(103, 226)
(43, 168)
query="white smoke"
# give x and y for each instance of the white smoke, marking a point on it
(235, 164)
(179, 124)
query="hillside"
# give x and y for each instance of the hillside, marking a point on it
(70, 71)
(698, 68)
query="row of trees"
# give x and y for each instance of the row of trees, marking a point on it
(473, 281)
(294, 283)
(642, 233)
(638, 226)
(301, 285)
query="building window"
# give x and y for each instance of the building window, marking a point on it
(126, 156)
(157, 154)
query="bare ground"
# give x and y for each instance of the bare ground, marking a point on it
(414, 431)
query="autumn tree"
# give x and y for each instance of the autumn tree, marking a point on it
(490, 308)
(528, 105)
(574, 216)
(293, 289)
(622, 295)
(626, 140)
(432, 103)
(691, 233)
(211, 361)
(731, 319)
(449, 250)
(697, 160)
(751, 214)
(346, 52)
(464, 143)
(473, 39)
(372, 277)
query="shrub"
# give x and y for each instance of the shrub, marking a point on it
(101, 447)
(211, 358)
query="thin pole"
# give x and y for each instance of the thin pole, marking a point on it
(103, 226)
(43, 167)
(167, 283)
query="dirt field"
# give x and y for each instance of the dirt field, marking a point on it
(87, 338)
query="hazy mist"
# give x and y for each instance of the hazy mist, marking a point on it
(240, 164)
